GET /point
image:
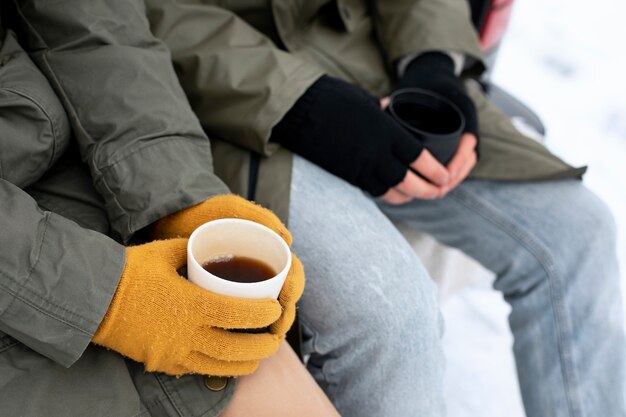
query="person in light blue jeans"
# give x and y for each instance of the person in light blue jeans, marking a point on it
(551, 246)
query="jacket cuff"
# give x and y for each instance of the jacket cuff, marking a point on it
(57, 309)
(164, 176)
(448, 28)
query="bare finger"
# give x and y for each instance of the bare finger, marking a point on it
(384, 102)
(467, 146)
(463, 172)
(395, 197)
(427, 166)
(416, 187)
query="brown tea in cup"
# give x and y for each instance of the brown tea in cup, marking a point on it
(239, 269)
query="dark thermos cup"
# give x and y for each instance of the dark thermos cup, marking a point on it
(432, 119)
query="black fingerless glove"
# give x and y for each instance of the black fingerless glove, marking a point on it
(434, 71)
(341, 128)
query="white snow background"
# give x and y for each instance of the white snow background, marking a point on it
(566, 60)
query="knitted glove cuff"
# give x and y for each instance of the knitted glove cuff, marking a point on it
(435, 71)
(430, 62)
(294, 120)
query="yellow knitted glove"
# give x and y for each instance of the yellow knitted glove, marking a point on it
(171, 325)
(184, 222)
(289, 294)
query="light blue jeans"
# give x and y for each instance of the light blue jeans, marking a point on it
(369, 312)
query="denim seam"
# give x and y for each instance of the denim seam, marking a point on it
(536, 249)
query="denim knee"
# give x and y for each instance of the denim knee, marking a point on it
(382, 312)
(577, 227)
(599, 230)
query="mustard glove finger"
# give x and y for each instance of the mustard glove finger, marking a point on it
(294, 283)
(207, 365)
(184, 222)
(236, 313)
(289, 295)
(155, 313)
(229, 346)
(284, 323)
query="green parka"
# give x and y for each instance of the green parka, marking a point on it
(243, 64)
(97, 141)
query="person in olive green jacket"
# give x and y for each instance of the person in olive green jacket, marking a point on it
(266, 77)
(71, 283)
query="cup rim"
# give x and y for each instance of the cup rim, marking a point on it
(431, 94)
(233, 284)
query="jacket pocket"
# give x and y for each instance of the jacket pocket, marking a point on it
(35, 129)
(98, 384)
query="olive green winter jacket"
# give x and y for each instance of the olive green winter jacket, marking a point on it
(97, 140)
(243, 64)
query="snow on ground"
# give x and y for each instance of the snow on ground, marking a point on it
(564, 58)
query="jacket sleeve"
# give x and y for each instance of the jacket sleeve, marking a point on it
(238, 82)
(145, 148)
(56, 278)
(410, 27)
